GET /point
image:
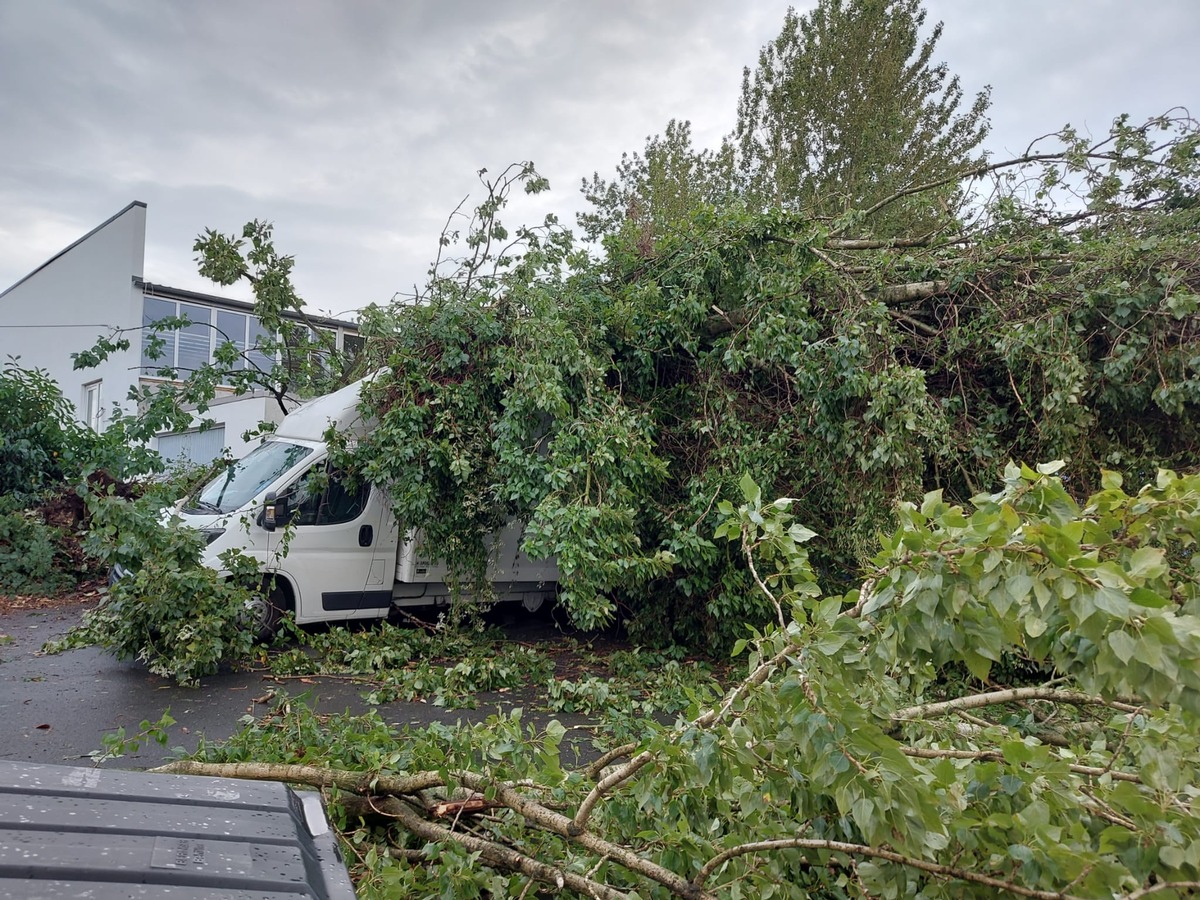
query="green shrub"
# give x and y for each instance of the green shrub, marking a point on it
(40, 441)
(32, 557)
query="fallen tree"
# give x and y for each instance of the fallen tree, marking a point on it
(1001, 697)
(612, 403)
(1009, 703)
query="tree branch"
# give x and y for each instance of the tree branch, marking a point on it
(1163, 886)
(1099, 808)
(491, 852)
(748, 552)
(313, 776)
(908, 293)
(705, 720)
(559, 824)
(978, 172)
(894, 243)
(939, 753)
(596, 768)
(1014, 695)
(927, 330)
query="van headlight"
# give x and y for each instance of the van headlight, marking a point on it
(211, 534)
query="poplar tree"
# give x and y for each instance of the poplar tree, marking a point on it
(847, 106)
(658, 189)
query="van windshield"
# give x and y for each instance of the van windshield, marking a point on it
(241, 482)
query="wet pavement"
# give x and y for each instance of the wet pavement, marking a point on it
(57, 708)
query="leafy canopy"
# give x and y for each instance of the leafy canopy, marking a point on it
(658, 189)
(41, 442)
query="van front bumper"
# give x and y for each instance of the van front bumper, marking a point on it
(116, 573)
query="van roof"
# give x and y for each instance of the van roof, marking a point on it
(311, 420)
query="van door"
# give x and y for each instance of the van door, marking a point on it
(331, 554)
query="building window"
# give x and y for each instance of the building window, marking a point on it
(192, 346)
(231, 329)
(195, 338)
(154, 355)
(306, 346)
(257, 357)
(93, 412)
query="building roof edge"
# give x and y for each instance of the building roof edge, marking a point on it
(173, 293)
(72, 246)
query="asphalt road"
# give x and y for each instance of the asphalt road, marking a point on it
(57, 708)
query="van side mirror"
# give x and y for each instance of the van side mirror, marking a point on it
(275, 511)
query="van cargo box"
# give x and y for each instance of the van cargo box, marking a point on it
(103, 833)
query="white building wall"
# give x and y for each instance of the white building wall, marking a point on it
(242, 414)
(239, 415)
(84, 292)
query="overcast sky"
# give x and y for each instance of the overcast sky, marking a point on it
(355, 127)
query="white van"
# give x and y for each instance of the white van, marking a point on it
(345, 558)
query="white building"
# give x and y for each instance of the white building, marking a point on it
(96, 287)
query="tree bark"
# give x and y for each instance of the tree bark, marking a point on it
(913, 292)
(313, 776)
(492, 853)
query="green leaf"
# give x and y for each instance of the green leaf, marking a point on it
(978, 665)
(1171, 856)
(1019, 586)
(1148, 562)
(863, 812)
(1123, 645)
(750, 490)
(800, 534)
(1149, 651)
(828, 610)
(1017, 752)
(1035, 627)
(555, 730)
(1112, 601)
(1146, 597)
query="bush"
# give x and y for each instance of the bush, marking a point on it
(33, 559)
(40, 441)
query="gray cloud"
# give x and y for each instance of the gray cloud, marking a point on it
(356, 128)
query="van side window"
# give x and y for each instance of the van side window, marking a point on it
(321, 500)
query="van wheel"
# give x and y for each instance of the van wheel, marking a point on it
(533, 601)
(267, 609)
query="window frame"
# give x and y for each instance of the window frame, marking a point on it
(248, 342)
(93, 409)
(320, 502)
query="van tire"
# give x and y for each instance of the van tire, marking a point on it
(532, 602)
(270, 606)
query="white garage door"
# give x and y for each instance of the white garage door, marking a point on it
(193, 446)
